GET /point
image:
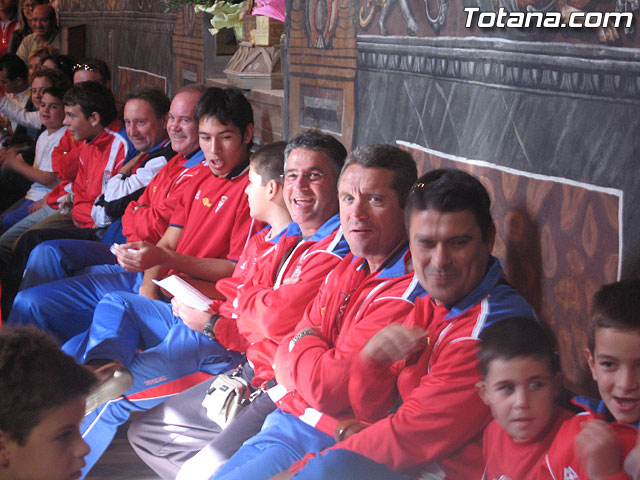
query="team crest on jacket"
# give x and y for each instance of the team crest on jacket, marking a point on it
(570, 474)
(206, 202)
(220, 203)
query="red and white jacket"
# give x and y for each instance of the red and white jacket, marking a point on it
(99, 160)
(64, 161)
(350, 308)
(438, 427)
(561, 462)
(263, 307)
(147, 218)
(213, 213)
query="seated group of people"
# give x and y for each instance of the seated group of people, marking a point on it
(359, 304)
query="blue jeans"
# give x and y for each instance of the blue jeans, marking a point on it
(8, 238)
(283, 439)
(345, 465)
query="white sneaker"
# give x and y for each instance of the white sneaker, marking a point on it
(114, 380)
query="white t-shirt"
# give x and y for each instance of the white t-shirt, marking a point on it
(44, 147)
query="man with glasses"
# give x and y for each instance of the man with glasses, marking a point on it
(92, 69)
(45, 32)
(25, 13)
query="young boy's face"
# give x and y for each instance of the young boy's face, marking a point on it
(257, 196)
(54, 449)
(81, 127)
(224, 146)
(51, 111)
(615, 366)
(521, 393)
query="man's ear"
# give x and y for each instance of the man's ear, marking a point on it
(94, 119)
(4, 449)
(248, 134)
(482, 391)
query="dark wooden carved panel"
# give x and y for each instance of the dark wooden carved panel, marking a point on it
(321, 67)
(129, 78)
(135, 34)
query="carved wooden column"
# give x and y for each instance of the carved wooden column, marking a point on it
(188, 47)
(322, 66)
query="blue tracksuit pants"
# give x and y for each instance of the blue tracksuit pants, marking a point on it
(164, 356)
(65, 307)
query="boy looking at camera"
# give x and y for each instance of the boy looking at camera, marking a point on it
(594, 444)
(41, 407)
(520, 382)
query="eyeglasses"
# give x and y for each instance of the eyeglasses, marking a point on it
(84, 66)
(293, 176)
(417, 186)
(28, 6)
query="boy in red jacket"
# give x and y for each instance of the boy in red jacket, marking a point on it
(594, 444)
(520, 382)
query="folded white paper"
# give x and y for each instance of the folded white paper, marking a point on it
(187, 294)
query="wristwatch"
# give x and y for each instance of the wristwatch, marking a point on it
(210, 326)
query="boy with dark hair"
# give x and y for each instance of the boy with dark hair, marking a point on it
(90, 115)
(594, 444)
(520, 383)
(41, 407)
(33, 207)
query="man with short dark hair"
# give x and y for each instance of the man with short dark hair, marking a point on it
(436, 431)
(14, 79)
(15, 82)
(372, 287)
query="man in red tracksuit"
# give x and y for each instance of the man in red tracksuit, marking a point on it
(370, 288)
(144, 219)
(264, 300)
(437, 429)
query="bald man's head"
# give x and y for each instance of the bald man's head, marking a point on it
(43, 21)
